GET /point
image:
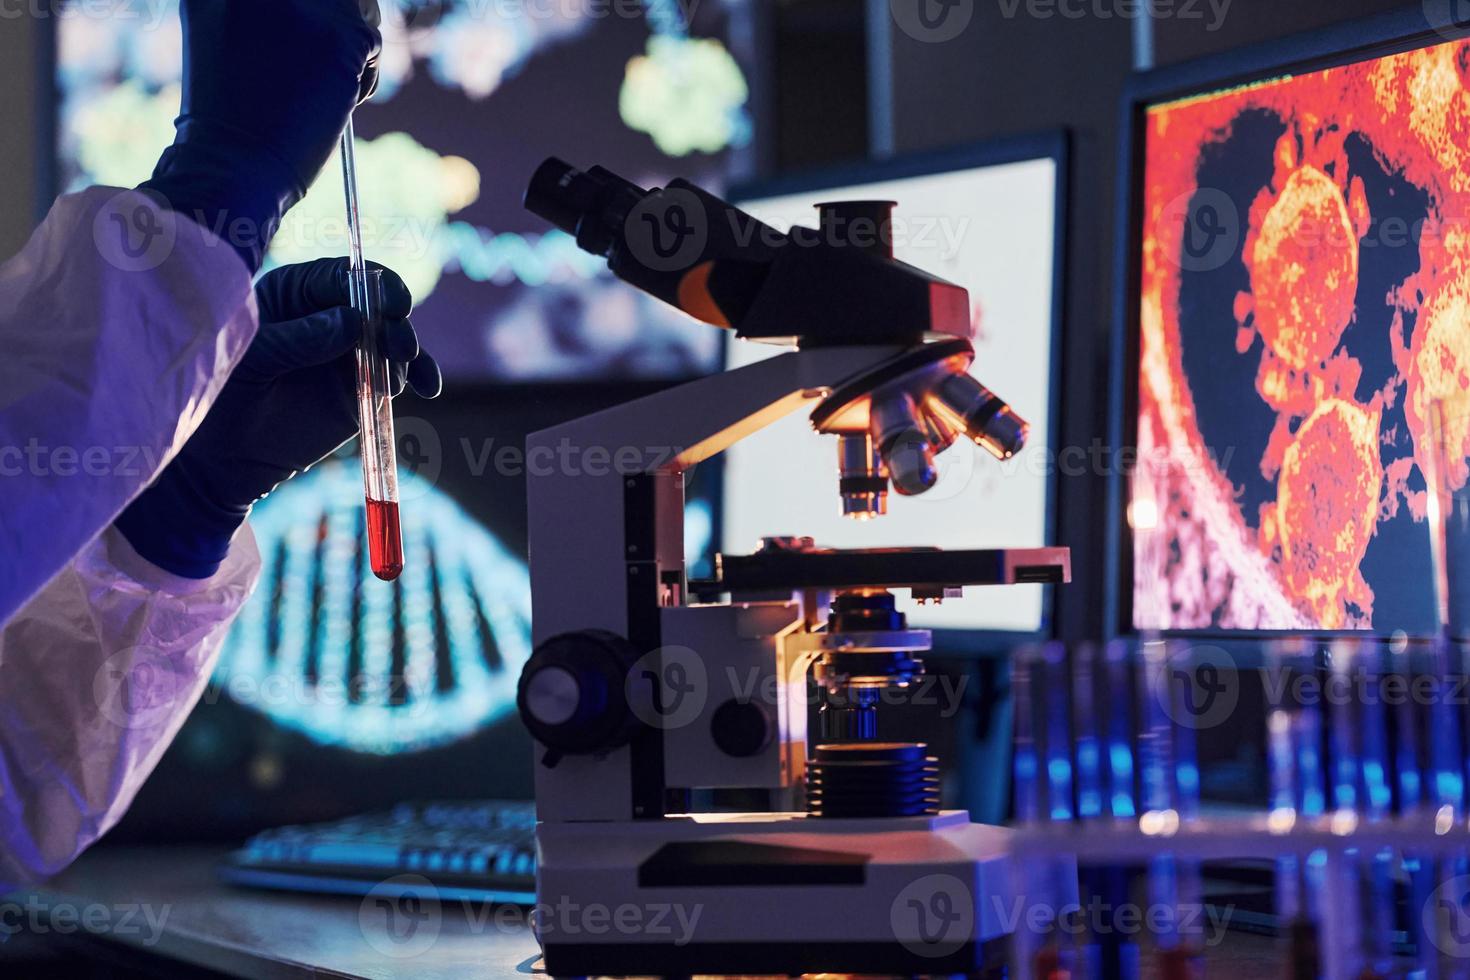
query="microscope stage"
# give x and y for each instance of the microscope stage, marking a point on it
(890, 568)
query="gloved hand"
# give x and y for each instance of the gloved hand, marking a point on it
(291, 402)
(268, 86)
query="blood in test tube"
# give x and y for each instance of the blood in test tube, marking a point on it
(385, 539)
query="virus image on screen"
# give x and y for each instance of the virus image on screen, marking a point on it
(1304, 346)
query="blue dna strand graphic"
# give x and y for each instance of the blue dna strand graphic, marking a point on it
(532, 260)
(325, 649)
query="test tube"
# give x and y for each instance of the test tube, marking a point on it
(1058, 958)
(1167, 799)
(1446, 784)
(1088, 743)
(1027, 791)
(374, 389)
(1027, 946)
(1420, 869)
(1346, 765)
(1118, 953)
(1378, 926)
(1058, 733)
(1295, 775)
(1187, 959)
(1122, 799)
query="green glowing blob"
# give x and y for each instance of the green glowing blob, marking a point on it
(118, 134)
(686, 93)
(407, 193)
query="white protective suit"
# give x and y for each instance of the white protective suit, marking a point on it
(119, 324)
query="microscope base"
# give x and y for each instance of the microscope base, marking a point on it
(776, 893)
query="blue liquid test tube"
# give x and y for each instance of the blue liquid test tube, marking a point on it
(1122, 797)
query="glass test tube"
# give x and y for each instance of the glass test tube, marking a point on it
(1355, 905)
(1027, 791)
(1119, 954)
(1186, 961)
(1086, 738)
(1295, 771)
(1170, 795)
(1122, 801)
(1059, 958)
(1405, 662)
(1058, 733)
(1378, 927)
(1026, 944)
(374, 389)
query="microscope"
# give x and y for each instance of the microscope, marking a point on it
(654, 699)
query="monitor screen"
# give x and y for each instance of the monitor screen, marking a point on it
(473, 97)
(336, 693)
(1303, 335)
(992, 229)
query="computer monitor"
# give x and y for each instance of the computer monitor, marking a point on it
(1293, 315)
(473, 97)
(989, 218)
(336, 693)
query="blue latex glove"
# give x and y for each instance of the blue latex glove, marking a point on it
(268, 87)
(291, 402)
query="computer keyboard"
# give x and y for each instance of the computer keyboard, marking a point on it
(472, 851)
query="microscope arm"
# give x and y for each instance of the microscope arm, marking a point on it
(705, 417)
(589, 522)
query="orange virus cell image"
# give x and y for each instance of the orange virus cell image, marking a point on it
(1303, 347)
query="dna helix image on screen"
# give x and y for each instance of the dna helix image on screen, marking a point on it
(370, 666)
(1303, 346)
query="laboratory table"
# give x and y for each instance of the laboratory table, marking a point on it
(178, 912)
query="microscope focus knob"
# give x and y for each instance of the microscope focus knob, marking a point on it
(573, 693)
(741, 729)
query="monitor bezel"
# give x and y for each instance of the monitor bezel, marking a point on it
(1359, 40)
(46, 152)
(1054, 145)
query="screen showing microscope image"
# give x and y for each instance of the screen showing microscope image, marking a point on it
(1303, 355)
(991, 229)
(473, 97)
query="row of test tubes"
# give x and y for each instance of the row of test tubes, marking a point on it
(1366, 822)
(1095, 749)
(1376, 753)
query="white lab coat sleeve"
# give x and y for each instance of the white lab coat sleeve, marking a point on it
(97, 674)
(119, 323)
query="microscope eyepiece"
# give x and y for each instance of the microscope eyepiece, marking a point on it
(561, 194)
(591, 205)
